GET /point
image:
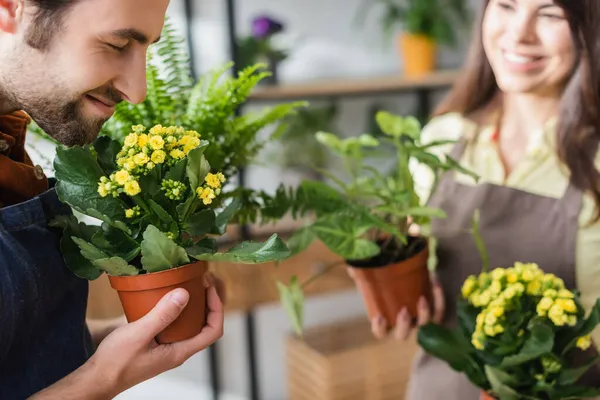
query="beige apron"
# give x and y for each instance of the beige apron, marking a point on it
(516, 226)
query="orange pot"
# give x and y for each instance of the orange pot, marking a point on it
(418, 53)
(388, 289)
(140, 293)
(485, 396)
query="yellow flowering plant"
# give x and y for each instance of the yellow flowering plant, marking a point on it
(521, 334)
(158, 200)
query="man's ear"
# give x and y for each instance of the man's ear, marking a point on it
(10, 13)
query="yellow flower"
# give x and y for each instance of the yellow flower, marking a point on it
(480, 319)
(484, 299)
(565, 294)
(571, 320)
(212, 180)
(495, 287)
(141, 159)
(157, 130)
(567, 305)
(534, 287)
(158, 156)
(184, 140)
(468, 286)
(584, 342)
(187, 148)
(121, 177)
(177, 154)
(221, 177)
(550, 293)
(527, 275)
(131, 140)
(512, 277)
(477, 342)
(157, 142)
(557, 315)
(498, 273)
(129, 165)
(138, 128)
(206, 195)
(121, 161)
(129, 213)
(498, 329)
(544, 305)
(143, 140)
(497, 311)
(132, 188)
(102, 190)
(484, 279)
(489, 330)
(519, 288)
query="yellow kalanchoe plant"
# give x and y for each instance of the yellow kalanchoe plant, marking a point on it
(521, 335)
(158, 199)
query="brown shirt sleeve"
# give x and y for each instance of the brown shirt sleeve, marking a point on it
(20, 180)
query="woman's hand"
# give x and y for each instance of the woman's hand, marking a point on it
(404, 326)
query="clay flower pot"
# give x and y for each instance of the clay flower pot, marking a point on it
(486, 396)
(387, 289)
(418, 54)
(140, 293)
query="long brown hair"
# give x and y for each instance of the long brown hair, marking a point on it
(578, 130)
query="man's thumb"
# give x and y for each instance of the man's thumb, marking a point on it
(164, 313)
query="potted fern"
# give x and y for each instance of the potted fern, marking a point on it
(365, 217)
(426, 24)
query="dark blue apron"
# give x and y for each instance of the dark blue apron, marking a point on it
(43, 335)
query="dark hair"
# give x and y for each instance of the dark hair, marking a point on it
(47, 21)
(578, 130)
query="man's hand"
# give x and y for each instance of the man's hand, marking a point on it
(131, 355)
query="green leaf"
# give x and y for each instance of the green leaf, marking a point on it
(330, 140)
(274, 249)
(574, 392)
(300, 240)
(412, 127)
(342, 235)
(164, 217)
(200, 223)
(540, 342)
(123, 245)
(451, 346)
(292, 299)
(116, 266)
(569, 376)
(225, 216)
(588, 326)
(206, 245)
(428, 212)
(107, 150)
(160, 253)
(501, 382)
(391, 125)
(78, 174)
(88, 250)
(177, 171)
(481, 248)
(76, 262)
(452, 164)
(197, 167)
(105, 218)
(188, 207)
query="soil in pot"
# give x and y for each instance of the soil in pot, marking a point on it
(388, 287)
(140, 293)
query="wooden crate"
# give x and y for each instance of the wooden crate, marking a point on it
(345, 362)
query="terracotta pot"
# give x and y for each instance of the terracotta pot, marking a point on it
(486, 396)
(140, 293)
(388, 289)
(418, 54)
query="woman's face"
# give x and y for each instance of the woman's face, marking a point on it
(528, 44)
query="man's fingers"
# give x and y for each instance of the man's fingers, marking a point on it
(403, 325)
(439, 304)
(163, 314)
(424, 315)
(210, 333)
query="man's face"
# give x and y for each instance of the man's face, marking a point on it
(98, 59)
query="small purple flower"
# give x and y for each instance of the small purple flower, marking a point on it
(264, 26)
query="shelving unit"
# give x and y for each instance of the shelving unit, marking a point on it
(421, 87)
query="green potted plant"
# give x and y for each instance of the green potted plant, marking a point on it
(519, 333)
(157, 197)
(365, 217)
(425, 25)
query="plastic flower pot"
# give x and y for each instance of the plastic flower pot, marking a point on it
(140, 293)
(389, 288)
(486, 396)
(418, 53)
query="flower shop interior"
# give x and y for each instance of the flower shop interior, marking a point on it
(339, 63)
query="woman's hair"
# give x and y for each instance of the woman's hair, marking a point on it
(47, 21)
(578, 128)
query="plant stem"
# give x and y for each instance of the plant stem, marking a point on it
(321, 273)
(138, 200)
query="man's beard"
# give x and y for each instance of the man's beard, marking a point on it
(65, 122)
